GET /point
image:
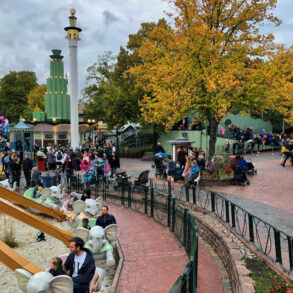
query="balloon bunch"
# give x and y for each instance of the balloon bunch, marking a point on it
(2, 120)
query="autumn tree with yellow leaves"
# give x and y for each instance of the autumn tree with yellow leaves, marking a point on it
(212, 59)
(36, 98)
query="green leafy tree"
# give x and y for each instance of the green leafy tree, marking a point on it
(14, 90)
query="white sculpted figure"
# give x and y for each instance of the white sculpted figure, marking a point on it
(5, 183)
(54, 198)
(45, 282)
(87, 209)
(98, 240)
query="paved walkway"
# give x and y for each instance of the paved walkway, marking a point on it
(269, 195)
(153, 259)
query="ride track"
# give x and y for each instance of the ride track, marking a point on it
(7, 255)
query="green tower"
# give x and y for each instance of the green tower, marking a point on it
(57, 100)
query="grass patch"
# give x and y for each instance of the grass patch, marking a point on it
(8, 232)
(264, 276)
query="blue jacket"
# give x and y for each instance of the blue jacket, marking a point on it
(194, 169)
(242, 164)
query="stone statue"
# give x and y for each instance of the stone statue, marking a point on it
(99, 241)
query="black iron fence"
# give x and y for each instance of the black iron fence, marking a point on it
(165, 210)
(272, 242)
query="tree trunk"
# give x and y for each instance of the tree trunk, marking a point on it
(213, 128)
(155, 138)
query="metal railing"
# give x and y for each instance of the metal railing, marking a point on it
(165, 209)
(272, 242)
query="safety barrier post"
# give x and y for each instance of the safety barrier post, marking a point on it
(78, 183)
(185, 227)
(213, 202)
(129, 195)
(233, 215)
(169, 210)
(122, 194)
(194, 194)
(173, 213)
(146, 200)
(227, 211)
(278, 246)
(152, 201)
(251, 233)
(187, 192)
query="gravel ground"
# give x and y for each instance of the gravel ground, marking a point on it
(39, 253)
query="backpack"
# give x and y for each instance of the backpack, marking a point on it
(59, 156)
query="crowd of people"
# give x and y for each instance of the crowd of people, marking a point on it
(252, 140)
(186, 165)
(102, 157)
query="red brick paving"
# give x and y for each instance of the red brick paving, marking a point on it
(272, 185)
(153, 259)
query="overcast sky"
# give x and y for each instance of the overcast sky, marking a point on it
(29, 29)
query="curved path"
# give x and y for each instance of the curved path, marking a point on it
(153, 259)
(269, 195)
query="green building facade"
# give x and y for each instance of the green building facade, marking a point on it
(57, 99)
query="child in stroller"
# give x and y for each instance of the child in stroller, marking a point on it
(90, 176)
(160, 168)
(250, 168)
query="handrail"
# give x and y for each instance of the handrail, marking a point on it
(274, 243)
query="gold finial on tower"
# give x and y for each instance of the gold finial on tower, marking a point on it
(72, 30)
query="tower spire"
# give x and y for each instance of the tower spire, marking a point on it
(73, 38)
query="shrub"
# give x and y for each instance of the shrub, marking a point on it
(137, 152)
(8, 233)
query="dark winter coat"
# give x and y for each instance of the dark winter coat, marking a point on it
(85, 273)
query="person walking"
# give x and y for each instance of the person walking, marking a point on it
(114, 163)
(51, 159)
(27, 167)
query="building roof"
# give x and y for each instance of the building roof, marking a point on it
(20, 126)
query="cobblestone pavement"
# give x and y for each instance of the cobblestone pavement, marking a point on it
(153, 259)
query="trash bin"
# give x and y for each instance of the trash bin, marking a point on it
(49, 180)
(42, 163)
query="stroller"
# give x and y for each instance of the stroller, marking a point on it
(90, 176)
(194, 180)
(250, 168)
(160, 168)
(239, 177)
(122, 178)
